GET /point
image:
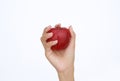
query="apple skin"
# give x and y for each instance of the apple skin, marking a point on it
(63, 36)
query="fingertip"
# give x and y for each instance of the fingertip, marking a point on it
(47, 28)
(54, 42)
(49, 35)
(58, 25)
(70, 27)
(72, 31)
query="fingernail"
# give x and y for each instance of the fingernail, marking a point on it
(49, 26)
(56, 41)
(71, 27)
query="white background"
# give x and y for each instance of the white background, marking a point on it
(97, 26)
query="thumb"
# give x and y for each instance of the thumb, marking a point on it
(73, 37)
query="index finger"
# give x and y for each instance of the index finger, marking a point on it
(47, 29)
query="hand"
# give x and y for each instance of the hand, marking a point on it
(63, 60)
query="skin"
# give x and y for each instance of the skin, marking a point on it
(62, 61)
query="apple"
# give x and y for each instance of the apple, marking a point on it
(62, 34)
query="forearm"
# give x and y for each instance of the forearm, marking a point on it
(67, 75)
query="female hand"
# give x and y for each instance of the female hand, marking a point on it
(63, 60)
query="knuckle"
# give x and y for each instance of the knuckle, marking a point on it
(41, 38)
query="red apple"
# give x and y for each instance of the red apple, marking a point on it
(61, 34)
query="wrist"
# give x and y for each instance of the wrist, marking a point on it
(66, 75)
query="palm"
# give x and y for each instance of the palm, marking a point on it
(61, 59)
